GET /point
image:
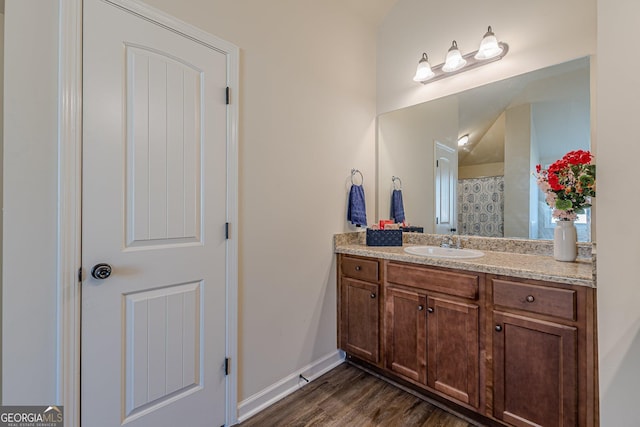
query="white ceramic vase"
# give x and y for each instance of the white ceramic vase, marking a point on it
(564, 241)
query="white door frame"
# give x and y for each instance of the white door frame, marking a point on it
(69, 198)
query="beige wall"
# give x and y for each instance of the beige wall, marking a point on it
(30, 203)
(617, 157)
(406, 148)
(517, 158)
(1, 173)
(480, 171)
(540, 33)
(307, 116)
(1, 149)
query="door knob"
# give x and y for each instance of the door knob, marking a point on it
(101, 271)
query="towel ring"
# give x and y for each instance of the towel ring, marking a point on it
(397, 183)
(356, 171)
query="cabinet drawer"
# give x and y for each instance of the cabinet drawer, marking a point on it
(536, 299)
(446, 282)
(358, 268)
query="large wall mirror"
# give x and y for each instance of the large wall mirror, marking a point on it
(488, 188)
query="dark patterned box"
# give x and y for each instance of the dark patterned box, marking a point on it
(384, 237)
(412, 229)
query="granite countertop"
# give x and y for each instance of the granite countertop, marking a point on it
(529, 265)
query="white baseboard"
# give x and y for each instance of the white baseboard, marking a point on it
(270, 395)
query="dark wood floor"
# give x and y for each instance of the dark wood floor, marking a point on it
(349, 396)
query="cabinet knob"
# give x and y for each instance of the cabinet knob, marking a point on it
(358, 268)
(430, 309)
(373, 295)
(498, 328)
(420, 308)
(530, 298)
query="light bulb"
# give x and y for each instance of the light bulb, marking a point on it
(462, 141)
(423, 72)
(489, 47)
(454, 60)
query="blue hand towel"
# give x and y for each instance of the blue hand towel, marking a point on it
(397, 207)
(357, 212)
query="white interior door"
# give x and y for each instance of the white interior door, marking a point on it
(154, 209)
(446, 179)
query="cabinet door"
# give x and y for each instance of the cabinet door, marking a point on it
(360, 318)
(405, 328)
(453, 349)
(535, 372)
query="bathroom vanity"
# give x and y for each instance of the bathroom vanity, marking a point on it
(508, 338)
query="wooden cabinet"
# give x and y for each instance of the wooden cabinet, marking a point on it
(516, 351)
(432, 329)
(360, 319)
(453, 349)
(406, 333)
(535, 370)
(359, 308)
(540, 354)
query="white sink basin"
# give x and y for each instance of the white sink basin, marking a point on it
(438, 252)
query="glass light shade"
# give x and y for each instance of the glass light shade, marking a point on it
(454, 60)
(489, 47)
(423, 72)
(462, 141)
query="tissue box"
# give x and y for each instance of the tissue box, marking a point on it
(384, 237)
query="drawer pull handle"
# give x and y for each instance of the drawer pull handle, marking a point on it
(498, 328)
(420, 308)
(373, 295)
(358, 268)
(430, 309)
(530, 298)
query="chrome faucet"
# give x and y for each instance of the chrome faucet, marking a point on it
(447, 242)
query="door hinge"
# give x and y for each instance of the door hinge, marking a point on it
(80, 274)
(227, 366)
(227, 95)
(437, 163)
(226, 230)
(437, 220)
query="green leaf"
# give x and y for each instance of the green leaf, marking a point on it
(563, 205)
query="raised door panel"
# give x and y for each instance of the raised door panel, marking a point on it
(453, 349)
(535, 372)
(360, 329)
(163, 335)
(405, 332)
(163, 146)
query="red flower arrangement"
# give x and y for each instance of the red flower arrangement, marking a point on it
(568, 184)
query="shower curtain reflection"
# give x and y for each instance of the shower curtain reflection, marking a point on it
(481, 206)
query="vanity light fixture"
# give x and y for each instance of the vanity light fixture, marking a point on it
(423, 72)
(490, 50)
